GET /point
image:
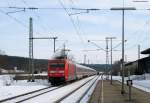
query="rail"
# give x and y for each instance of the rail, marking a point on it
(67, 95)
(29, 95)
(87, 90)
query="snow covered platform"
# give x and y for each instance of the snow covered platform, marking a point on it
(107, 93)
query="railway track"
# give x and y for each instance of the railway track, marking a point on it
(93, 80)
(33, 95)
(29, 95)
(88, 90)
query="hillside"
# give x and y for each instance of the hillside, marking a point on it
(98, 67)
(9, 62)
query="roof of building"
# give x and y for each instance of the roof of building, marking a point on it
(129, 63)
(147, 51)
(141, 60)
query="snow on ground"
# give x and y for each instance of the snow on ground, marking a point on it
(6, 80)
(143, 83)
(53, 96)
(139, 81)
(10, 88)
(78, 94)
(7, 92)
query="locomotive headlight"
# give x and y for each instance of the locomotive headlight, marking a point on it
(52, 72)
(56, 71)
(60, 71)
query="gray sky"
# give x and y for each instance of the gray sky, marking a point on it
(95, 25)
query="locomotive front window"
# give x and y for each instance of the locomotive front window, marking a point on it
(57, 66)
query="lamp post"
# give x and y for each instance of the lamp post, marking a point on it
(123, 10)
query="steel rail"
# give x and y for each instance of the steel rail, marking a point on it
(24, 96)
(67, 95)
(36, 93)
(87, 90)
(3, 100)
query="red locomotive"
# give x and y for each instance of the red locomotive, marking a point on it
(64, 70)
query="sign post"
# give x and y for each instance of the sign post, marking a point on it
(129, 83)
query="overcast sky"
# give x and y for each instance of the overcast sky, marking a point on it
(95, 25)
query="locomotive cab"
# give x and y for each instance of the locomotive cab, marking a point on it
(63, 70)
(56, 72)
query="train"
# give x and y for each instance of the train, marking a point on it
(64, 70)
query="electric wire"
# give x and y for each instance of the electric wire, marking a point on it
(139, 36)
(54, 8)
(36, 14)
(72, 21)
(15, 19)
(78, 21)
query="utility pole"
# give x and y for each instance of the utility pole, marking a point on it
(31, 58)
(111, 60)
(139, 47)
(54, 43)
(111, 38)
(84, 62)
(138, 57)
(122, 89)
(122, 60)
(64, 51)
(106, 67)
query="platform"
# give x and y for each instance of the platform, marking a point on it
(107, 93)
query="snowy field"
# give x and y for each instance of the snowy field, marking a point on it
(10, 88)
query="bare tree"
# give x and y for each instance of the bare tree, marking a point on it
(116, 68)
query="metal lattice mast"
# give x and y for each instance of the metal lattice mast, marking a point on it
(31, 61)
(111, 38)
(106, 55)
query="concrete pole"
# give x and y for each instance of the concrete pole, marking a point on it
(123, 9)
(122, 87)
(106, 68)
(139, 51)
(111, 62)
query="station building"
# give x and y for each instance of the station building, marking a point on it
(140, 66)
